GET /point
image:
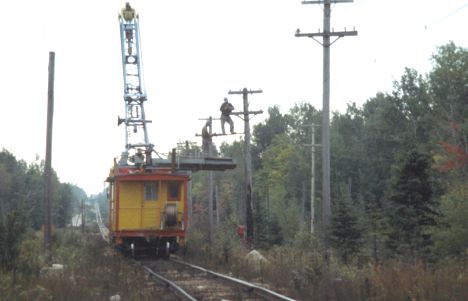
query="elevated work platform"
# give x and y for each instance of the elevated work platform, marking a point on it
(196, 164)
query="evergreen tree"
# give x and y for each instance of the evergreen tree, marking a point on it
(345, 233)
(414, 208)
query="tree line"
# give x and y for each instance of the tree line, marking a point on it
(398, 175)
(398, 170)
(21, 203)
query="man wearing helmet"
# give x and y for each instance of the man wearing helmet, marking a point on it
(226, 109)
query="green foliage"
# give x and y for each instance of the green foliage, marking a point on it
(448, 83)
(413, 100)
(21, 186)
(282, 177)
(414, 208)
(300, 118)
(276, 124)
(22, 209)
(346, 235)
(451, 239)
(92, 271)
(394, 200)
(12, 228)
(31, 258)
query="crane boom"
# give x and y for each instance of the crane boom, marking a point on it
(138, 149)
(136, 133)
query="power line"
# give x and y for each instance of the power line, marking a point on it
(447, 16)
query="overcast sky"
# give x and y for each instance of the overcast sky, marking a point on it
(194, 52)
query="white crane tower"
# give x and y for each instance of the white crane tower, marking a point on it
(137, 146)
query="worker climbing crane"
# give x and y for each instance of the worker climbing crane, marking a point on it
(137, 144)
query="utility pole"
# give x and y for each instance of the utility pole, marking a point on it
(248, 218)
(48, 159)
(312, 175)
(82, 216)
(191, 152)
(207, 134)
(216, 202)
(326, 35)
(303, 201)
(210, 199)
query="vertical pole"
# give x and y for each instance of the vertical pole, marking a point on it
(312, 181)
(210, 198)
(350, 183)
(326, 34)
(248, 169)
(210, 205)
(189, 202)
(82, 216)
(247, 215)
(217, 204)
(326, 203)
(48, 159)
(303, 201)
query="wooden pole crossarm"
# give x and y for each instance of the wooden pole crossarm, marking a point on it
(209, 118)
(216, 134)
(330, 1)
(242, 92)
(248, 112)
(242, 115)
(328, 34)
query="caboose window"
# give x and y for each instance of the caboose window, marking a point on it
(174, 191)
(151, 191)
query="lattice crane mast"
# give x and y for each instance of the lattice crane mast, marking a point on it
(137, 146)
(138, 149)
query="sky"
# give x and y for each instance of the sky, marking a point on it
(193, 53)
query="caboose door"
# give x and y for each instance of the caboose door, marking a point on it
(151, 205)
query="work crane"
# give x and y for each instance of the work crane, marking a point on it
(148, 198)
(138, 149)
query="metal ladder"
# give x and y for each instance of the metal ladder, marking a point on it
(136, 134)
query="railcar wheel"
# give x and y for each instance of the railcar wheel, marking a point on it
(132, 250)
(167, 250)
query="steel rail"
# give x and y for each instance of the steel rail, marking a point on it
(261, 291)
(177, 290)
(102, 229)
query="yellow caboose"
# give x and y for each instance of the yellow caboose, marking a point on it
(147, 209)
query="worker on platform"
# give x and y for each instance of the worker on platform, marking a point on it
(206, 137)
(128, 13)
(226, 109)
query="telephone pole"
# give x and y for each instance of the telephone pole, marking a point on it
(48, 159)
(248, 217)
(312, 175)
(191, 152)
(326, 35)
(207, 148)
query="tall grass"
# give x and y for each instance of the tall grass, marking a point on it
(92, 271)
(302, 271)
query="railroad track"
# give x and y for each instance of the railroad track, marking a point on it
(191, 282)
(102, 228)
